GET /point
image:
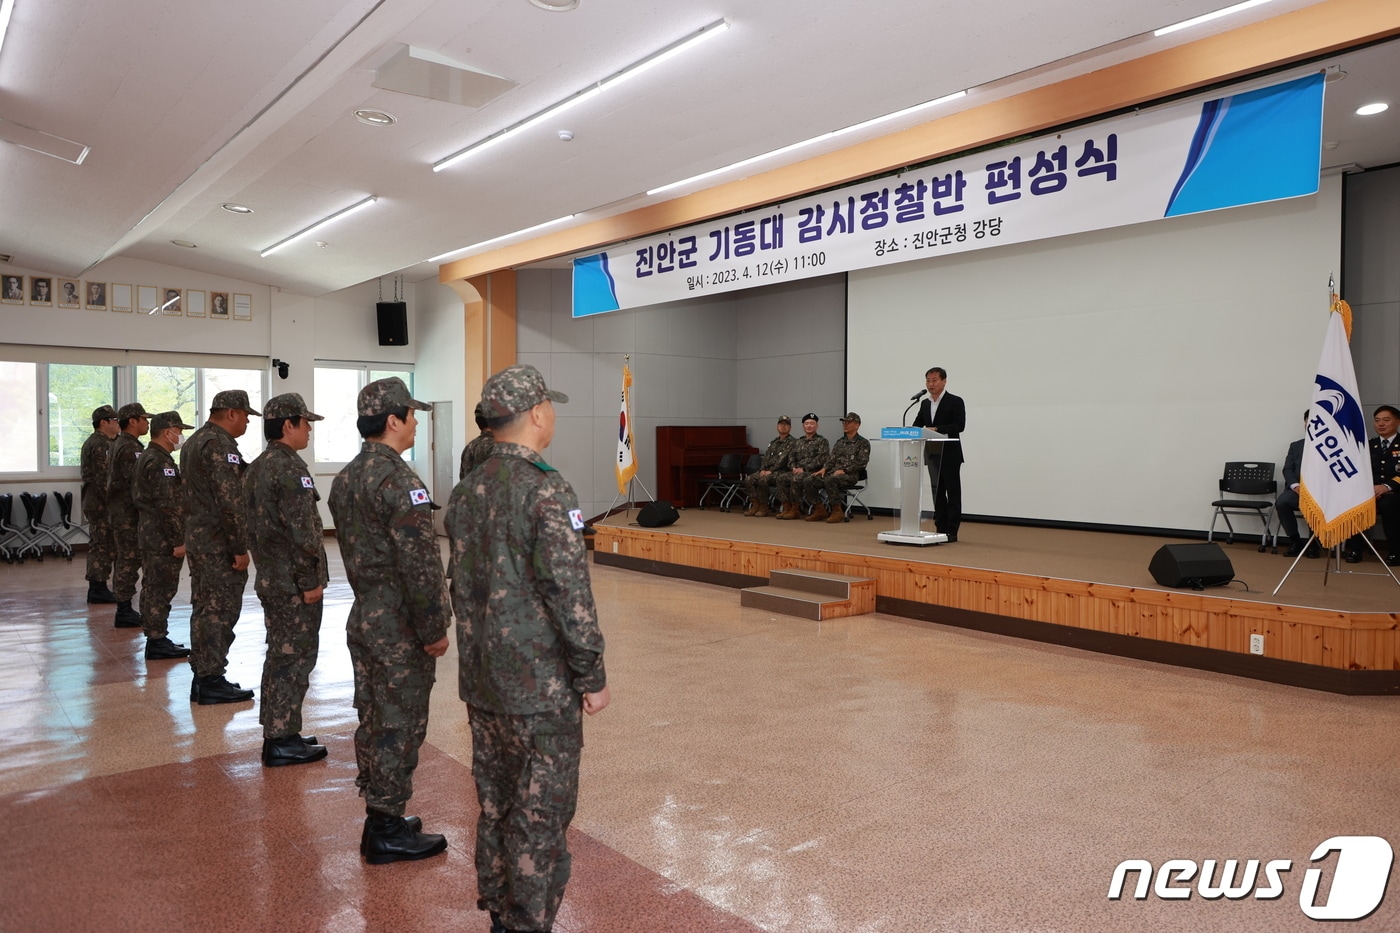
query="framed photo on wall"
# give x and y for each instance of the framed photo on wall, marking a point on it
(70, 293)
(242, 307)
(11, 289)
(194, 303)
(147, 298)
(96, 295)
(121, 297)
(218, 308)
(172, 304)
(41, 290)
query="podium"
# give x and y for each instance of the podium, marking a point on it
(909, 476)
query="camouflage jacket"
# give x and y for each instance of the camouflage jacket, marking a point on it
(121, 509)
(527, 628)
(476, 453)
(95, 459)
(284, 525)
(384, 523)
(777, 457)
(156, 489)
(213, 472)
(849, 454)
(809, 453)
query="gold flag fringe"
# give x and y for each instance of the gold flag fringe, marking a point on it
(1341, 307)
(1351, 522)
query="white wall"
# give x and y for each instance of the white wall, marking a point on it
(1371, 283)
(1107, 375)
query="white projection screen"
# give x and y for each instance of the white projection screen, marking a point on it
(1109, 375)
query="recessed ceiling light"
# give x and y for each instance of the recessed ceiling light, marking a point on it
(375, 118)
(556, 6)
(185, 243)
(236, 208)
(1370, 110)
(566, 135)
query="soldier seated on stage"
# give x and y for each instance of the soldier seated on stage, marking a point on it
(759, 485)
(808, 455)
(841, 471)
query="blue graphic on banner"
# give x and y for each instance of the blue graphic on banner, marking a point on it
(594, 289)
(1260, 146)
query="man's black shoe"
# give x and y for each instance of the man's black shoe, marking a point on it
(1295, 547)
(290, 751)
(163, 649)
(389, 839)
(99, 593)
(414, 823)
(1393, 560)
(1352, 557)
(126, 616)
(952, 539)
(218, 690)
(310, 740)
(1314, 550)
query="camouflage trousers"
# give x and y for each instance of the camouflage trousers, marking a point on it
(393, 680)
(760, 488)
(126, 561)
(216, 600)
(160, 578)
(293, 641)
(795, 487)
(526, 772)
(99, 555)
(834, 486)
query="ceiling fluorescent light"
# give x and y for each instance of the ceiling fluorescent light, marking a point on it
(6, 8)
(319, 224)
(807, 142)
(1207, 17)
(579, 97)
(505, 236)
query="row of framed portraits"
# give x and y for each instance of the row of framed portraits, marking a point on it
(47, 291)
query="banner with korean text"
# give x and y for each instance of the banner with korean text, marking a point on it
(1262, 145)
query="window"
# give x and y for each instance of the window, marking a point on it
(169, 388)
(337, 385)
(19, 417)
(73, 392)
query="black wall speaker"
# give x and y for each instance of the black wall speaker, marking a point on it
(657, 515)
(393, 323)
(1195, 565)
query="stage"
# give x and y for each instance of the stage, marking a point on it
(1085, 589)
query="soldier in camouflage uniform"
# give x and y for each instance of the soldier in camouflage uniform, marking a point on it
(161, 531)
(284, 531)
(807, 457)
(530, 652)
(121, 511)
(759, 484)
(480, 448)
(397, 627)
(849, 455)
(216, 540)
(92, 502)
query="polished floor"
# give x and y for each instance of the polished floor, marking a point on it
(754, 772)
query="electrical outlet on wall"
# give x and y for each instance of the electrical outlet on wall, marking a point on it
(1256, 644)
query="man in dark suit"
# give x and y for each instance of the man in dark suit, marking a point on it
(1385, 474)
(945, 413)
(1287, 502)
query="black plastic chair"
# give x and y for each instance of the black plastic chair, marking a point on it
(1245, 479)
(69, 528)
(726, 482)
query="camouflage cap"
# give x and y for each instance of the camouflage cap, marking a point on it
(784, 419)
(168, 419)
(515, 389)
(851, 416)
(103, 413)
(234, 400)
(385, 395)
(290, 405)
(132, 410)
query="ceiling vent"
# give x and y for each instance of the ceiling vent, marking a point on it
(427, 74)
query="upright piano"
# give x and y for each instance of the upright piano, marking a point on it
(687, 452)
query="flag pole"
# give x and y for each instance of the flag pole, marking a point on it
(632, 480)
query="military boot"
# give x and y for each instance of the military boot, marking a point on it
(762, 511)
(818, 513)
(290, 750)
(163, 649)
(99, 593)
(838, 514)
(126, 616)
(414, 823)
(217, 689)
(752, 510)
(388, 838)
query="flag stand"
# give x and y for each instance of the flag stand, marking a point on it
(1335, 557)
(631, 498)
(632, 480)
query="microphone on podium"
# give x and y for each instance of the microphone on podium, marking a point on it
(918, 395)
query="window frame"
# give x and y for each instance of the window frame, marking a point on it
(332, 467)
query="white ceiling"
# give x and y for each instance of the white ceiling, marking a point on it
(187, 105)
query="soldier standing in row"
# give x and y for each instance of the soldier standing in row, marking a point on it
(530, 652)
(95, 459)
(216, 540)
(397, 627)
(759, 484)
(807, 457)
(284, 531)
(159, 499)
(480, 448)
(121, 511)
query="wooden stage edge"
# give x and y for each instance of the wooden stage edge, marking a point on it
(1351, 653)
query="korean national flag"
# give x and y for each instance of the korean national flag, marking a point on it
(418, 496)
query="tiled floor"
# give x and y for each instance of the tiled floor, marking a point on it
(753, 772)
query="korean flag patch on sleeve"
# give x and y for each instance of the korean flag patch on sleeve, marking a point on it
(234, 458)
(576, 519)
(308, 483)
(418, 496)
(169, 471)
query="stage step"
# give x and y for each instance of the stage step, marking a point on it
(812, 594)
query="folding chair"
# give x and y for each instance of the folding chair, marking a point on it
(42, 534)
(726, 482)
(15, 537)
(1245, 479)
(852, 498)
(70, 529)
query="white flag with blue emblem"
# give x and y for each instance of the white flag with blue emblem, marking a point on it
(1336, 493)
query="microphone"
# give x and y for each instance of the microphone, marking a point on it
(918, 395)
